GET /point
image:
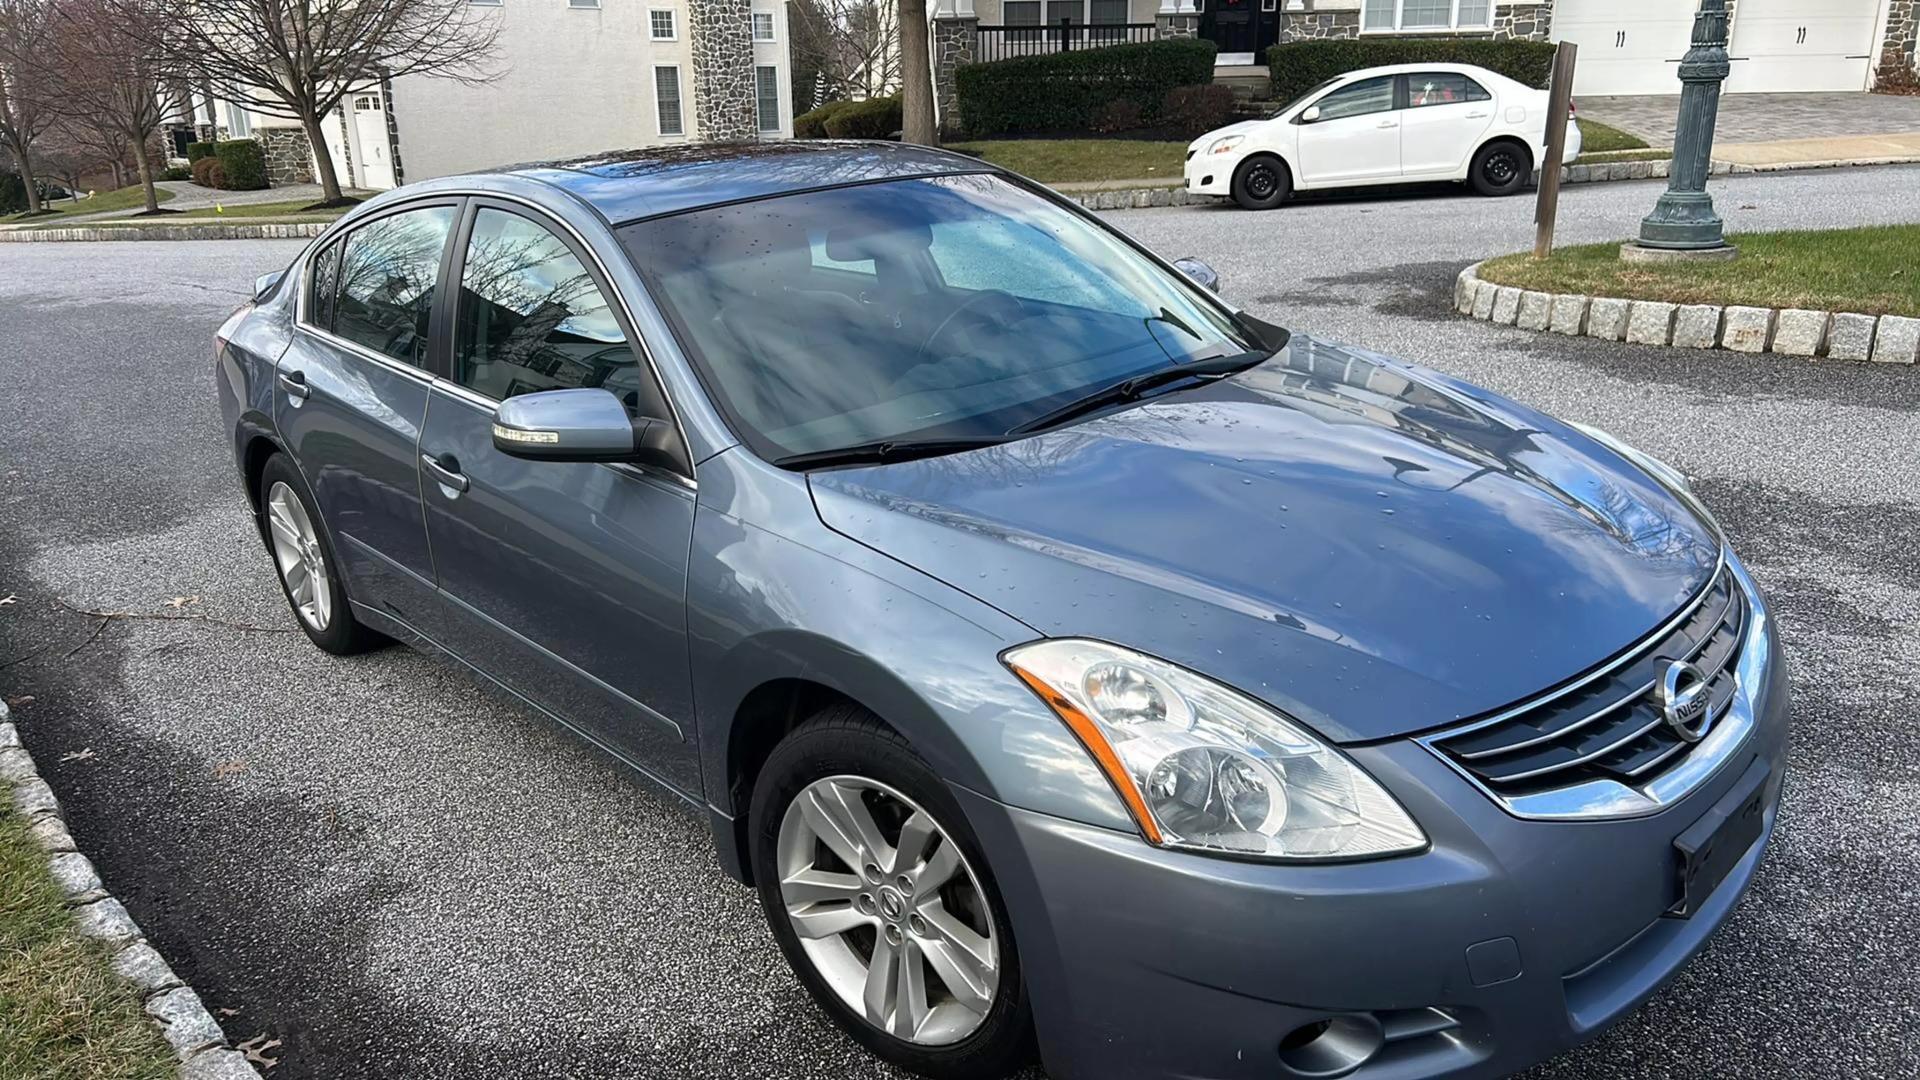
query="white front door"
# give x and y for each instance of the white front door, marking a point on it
(371, 159)
(1629, 46)
(1445, 116)
(1356, 137)
(1800, 45)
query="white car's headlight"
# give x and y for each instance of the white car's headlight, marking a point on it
(1225, 143)
(1206, 768)
(1668, 476)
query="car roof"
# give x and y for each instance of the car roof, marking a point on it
(1479, 73)
(628, 185)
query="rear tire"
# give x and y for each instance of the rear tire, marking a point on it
(304, 561)
(1500, 168)
(844, 773)
(1261, 182)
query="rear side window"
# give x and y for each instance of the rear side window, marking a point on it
(533, 318)
(389, 272)
(1442, 88)
(322, 283)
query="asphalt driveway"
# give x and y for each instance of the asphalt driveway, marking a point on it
(394, 874)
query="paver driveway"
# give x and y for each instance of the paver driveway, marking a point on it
(398, 876)
(1761, 117)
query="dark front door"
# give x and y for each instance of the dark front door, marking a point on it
(1233, 28)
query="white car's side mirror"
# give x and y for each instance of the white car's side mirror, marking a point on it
(1312, 114)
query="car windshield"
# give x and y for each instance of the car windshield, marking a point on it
(947, 308)
(1298, 98)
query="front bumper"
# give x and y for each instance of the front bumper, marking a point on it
(1506, 942)
(1210, 174)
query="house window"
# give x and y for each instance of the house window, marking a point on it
(666, 93)
(766, 89)
(763, 26)
(239, 124)
(1387, 16)
(1064, 9)
(583, 3)
(1107, 12)
(660, 24)
(1021, 12)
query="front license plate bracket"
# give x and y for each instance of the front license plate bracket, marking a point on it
(1712, 846)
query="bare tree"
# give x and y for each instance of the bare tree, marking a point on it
(300, 58)
(850, 49)
(916, 76)
(117, 76)
(26, 95)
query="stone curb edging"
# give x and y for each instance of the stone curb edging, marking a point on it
(212, 231)
(1834, 335)
(185, 1022)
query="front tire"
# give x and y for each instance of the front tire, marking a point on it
(1500, 168)
(1261, 182)
(882, 901)
(303, 557)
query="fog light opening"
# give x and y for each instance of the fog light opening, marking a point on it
(1334, 1046)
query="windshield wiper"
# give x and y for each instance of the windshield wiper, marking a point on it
(885, 450)
(1126, 390)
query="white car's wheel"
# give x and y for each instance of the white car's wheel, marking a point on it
(1500, 168)
(1262, 182)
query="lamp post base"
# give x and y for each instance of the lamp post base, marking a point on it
(1631, 252)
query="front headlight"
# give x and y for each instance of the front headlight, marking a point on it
(1207, 768)
(1669, 477)
(1225, 143)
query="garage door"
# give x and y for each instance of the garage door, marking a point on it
(1627, 46)
(1799, 45)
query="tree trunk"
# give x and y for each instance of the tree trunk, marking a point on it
(119, 175)
(916, 76)
(146, 179)
(322, 160)
(25, 158)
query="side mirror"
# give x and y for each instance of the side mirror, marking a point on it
(587, 424)
(1312, 114)
(266, 283)
(1200, 272)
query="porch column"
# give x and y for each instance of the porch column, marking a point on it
(956, 41)
(1176, 19)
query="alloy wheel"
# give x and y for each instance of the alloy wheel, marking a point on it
(887, 910)
(296, 551)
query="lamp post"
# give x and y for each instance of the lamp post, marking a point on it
(1683, 225)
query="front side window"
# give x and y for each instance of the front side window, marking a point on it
(766, 85)
(388, 273)
(1392, 15)
(1364, 97)
(666, 95)
(1442, 88)
(532, 318)
(951, 307)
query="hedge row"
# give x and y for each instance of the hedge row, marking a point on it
(1065, 91)
(234, 165)
(1302, 65)
(874, 118)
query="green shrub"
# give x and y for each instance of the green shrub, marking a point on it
(812, 124)
(13, 193)
(1063, 91)
(874, 118)
(1299, 66)
(177, 172)
(198, 150)
(1115, 117)
(1196, 110)
(244, 163)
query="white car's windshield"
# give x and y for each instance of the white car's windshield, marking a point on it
(948, 308)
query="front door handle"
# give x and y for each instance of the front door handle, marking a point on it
(447, 473)
(1389, 123)
(295, 383)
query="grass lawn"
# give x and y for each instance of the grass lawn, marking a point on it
(1871, 271)
(1623, 155)
(1067, 161)
(1597, 138)
(64, 1014)
(126, 198)
(276, 213)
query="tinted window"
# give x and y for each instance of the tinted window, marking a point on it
(1442, 88)
(388, 273)
(1366, 96)
(322, 282)
(988, 306)
(532, 318)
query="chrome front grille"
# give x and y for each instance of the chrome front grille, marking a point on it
(1607, 726)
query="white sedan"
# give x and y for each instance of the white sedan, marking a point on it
(1385, 125)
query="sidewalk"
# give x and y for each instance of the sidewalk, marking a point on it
(1845, 150)
(190, 196)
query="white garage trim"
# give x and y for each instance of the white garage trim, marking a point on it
(1788, 46)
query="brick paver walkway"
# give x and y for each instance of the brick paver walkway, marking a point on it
(1762, 117)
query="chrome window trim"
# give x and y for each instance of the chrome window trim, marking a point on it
(1597, 800)
(301, 324)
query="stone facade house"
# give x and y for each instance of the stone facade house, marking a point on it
(575, 77)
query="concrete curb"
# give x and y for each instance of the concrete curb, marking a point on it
(189, 1028)
(209, 231)
(1833, 335)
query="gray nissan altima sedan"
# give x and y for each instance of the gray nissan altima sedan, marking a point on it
(1073, 662)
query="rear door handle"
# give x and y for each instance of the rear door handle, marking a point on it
(295, 383)
(1476, 116)
(451, 477)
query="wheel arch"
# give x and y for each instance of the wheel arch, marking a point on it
(1503, 137)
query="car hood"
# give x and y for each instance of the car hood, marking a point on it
(1372, 548)
(1241, 128)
